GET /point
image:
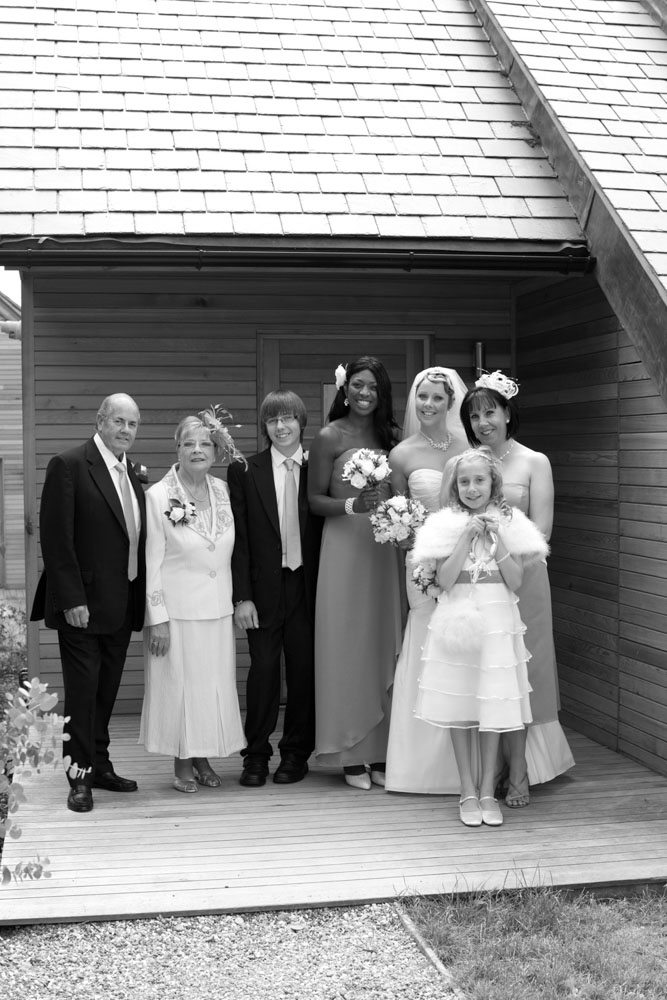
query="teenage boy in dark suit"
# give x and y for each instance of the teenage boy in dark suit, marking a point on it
(274, 573)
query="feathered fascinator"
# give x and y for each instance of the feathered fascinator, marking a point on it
(503, 384)
(213, 419)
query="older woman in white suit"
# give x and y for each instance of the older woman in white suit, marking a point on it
(191, 708)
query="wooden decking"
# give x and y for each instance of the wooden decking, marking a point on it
(320, 843)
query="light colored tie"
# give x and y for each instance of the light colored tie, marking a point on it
(291, 532)
(130, 522)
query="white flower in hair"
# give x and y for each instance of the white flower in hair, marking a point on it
(503, 384)
(341, 376)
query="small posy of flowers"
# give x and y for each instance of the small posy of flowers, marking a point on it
(366, 468)
(397, 519)
(181, 511)
(424, 577)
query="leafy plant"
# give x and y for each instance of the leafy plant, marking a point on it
(13, 642)
(30, 735)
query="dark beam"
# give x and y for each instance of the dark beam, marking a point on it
(570, 259)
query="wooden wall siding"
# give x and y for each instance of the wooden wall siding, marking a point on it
(567, 349)
(643, 564)
(178, 342)
(12, 535)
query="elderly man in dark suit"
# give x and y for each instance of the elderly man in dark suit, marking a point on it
(274, 574)
(92, 531)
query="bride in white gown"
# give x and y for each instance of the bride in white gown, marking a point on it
(420, 757)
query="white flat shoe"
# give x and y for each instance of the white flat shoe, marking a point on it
(491, 814)
(362, 781)
(472, 816)
(377, 778)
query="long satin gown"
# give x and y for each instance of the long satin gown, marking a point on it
(357, 636)
(420, 756)
(547, 751)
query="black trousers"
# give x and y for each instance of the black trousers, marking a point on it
(92, 667)
(292, 633)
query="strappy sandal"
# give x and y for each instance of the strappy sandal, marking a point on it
(185, 785)
(518, 794)
(206, 776)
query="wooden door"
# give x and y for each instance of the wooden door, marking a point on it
(306, 362)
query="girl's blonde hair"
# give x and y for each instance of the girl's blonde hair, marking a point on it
(485, 455)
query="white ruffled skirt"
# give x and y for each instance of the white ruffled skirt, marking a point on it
(474, 672)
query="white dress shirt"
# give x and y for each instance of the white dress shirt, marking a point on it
(111, 462)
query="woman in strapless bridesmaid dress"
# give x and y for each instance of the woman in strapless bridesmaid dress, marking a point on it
(541, 752)
(357, 610)
(420, 757)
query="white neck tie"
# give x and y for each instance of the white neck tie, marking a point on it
(291, 532)
(130, 523)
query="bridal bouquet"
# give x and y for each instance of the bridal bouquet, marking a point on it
(397, 519)
(424, 578)
(366, 468)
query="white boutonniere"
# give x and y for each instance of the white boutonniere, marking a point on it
(181, 511)
(305, 456)
(141, 472)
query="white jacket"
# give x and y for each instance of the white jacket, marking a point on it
(188, 570)
(439, 534)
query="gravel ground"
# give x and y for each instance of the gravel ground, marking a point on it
(356, 953)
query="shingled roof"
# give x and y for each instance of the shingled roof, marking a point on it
(592, 77)
(331, 118)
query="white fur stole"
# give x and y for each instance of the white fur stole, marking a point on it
(437, 537)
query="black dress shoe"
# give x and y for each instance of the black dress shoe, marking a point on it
(289, 770)
(254, 773)
(113, 782)
(80, 798)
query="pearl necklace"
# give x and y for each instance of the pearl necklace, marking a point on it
(501, 458)
(440, 445)
(193, 495)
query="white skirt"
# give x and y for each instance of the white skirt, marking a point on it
(191, 706)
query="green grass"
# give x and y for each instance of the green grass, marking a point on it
(546, 944)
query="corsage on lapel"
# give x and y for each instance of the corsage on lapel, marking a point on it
(180, 511)
(141, 472)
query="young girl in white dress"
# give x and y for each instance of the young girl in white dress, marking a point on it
(474, 674)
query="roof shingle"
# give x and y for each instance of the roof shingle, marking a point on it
(374, 117)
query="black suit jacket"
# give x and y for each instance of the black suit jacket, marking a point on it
(85, 544)
(257, 556)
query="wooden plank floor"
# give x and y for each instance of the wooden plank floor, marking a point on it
(320, 843)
